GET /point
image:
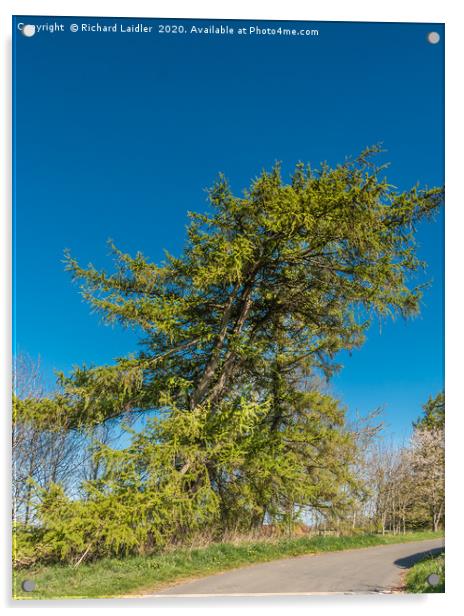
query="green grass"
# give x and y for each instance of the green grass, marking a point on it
(144, 575)
(416, 578)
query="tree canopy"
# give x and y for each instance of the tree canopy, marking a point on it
(434, 413)
(284, 276)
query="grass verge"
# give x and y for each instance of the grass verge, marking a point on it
(417, 577)
(144, 575)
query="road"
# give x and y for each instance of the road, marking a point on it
(364, 570)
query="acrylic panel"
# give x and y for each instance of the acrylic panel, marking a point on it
(228, 307)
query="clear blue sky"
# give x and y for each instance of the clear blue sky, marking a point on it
(117, 135)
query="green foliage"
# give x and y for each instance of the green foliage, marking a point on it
(270, 287)
(192, 472)
(306, 263)
(434, 413)
(49, 413)
(26, 541)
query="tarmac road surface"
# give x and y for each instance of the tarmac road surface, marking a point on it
(364, 570)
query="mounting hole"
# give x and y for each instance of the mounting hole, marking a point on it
(28, 585)
(28, 30)
(433, 579)
(433, 38)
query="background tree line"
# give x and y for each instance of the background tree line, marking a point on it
(405, 484)
(238, 332)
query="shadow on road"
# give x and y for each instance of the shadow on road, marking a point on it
(411, 560)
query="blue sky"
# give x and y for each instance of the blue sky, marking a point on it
(118, 135)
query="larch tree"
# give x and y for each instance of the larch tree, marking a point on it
(271, 285)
